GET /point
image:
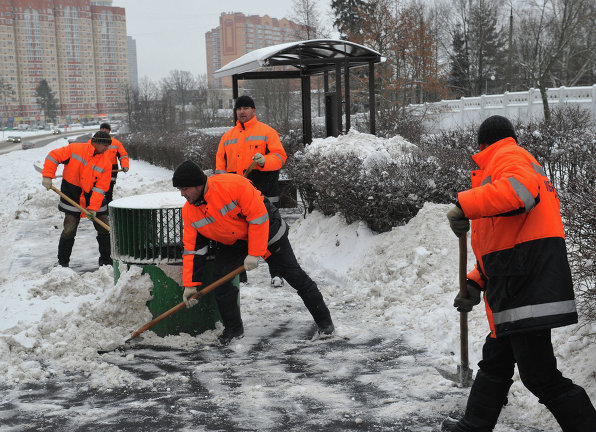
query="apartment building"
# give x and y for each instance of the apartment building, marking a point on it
(238, 34)
(78, 46)
(133, 74)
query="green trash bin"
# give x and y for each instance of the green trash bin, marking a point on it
(146, 230)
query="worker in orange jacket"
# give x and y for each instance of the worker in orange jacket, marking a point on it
(522, 269)
(229, 210)
(117, 154)
(252, 141)
(86, 179)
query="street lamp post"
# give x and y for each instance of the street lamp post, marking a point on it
(492, 78)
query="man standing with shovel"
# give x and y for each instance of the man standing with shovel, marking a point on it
(86, 180)
(519, 243)
(228, 209)
(251, 141)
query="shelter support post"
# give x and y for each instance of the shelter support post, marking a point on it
(338, 95)
(372, 105)
(347, 92)
(306, 110)
(234, 94)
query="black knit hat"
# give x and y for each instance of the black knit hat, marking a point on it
(495, 128)
(101, 137)
(105, 126)
(188, 174)
(244, 101)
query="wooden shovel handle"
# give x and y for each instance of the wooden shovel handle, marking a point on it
(250, 168)
(74, 203)
(463, 292)
(182, 305)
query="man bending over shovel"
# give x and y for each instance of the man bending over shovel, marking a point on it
(229, 210)
(522, 268)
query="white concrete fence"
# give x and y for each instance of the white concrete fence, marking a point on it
(517, 106)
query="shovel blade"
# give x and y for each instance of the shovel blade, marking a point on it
(463, 376)
(127, 343)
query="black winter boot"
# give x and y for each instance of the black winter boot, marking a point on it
(313, 300)
(487, 397)
(574, 411)
(64, 251)
(230, 316)
(105, 250)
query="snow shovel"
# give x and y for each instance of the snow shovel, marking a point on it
(463, 377)
(182, 305)
(74, 203)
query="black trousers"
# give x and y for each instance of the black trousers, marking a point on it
(533, 353)
(282, 261)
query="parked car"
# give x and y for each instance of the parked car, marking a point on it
(56, 131)
(27, 145)
(14, 139)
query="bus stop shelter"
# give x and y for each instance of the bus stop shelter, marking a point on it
(301, 60)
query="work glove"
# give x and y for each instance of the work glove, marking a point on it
(251, 262)
(46, 182)
(458, 221)
(259, 159)
(91, 214)
(124, 169)
(189, 291)
(465, 304)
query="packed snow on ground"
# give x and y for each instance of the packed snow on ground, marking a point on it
(53, 320)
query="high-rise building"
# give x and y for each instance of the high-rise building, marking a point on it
(238, 34)
(78, 46)
(133, 75)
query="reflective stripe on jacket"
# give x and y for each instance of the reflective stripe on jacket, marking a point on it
(85, 173)
(237, 147)
(519, 241)
(231, 210)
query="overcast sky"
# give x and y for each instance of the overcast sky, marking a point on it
(171, 34)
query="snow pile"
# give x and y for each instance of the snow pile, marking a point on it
(71, 317)
(370, 149)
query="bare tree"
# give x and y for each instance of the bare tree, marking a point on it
(180, 84)
(204, 108)
(130, 95)
(306, 14)
(6, 92)
(544, 38)
(145, 101)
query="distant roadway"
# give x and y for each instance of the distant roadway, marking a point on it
(38, 140)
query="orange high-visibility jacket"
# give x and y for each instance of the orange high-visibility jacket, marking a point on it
(231, 209)
(115, 153)
(519, 242)
(237, 147)
(85, 172)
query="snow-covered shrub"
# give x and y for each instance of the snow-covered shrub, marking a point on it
(383, 182)
(563, 146)
(168, 149)
(579, 214)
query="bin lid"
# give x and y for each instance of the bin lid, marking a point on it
(159, 200)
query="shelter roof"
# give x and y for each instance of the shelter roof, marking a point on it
(310, 56)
